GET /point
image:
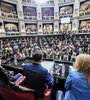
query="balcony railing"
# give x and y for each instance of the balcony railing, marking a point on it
(48, 17)
(12, 33)
(50, 2)
(84, 31)
(30, 17)
(34, 2)
(65, 1)
(10, 15)
(84, 13)
(68, 15)
(32, 32)
(29, 1)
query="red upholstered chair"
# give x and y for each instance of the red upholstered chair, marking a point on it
(9, 94)
(47, 92)
(10, 91)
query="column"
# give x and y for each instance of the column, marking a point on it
(21, 17)
(56, 16)
(75, 23)
(39, 18)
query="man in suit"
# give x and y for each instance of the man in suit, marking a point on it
(37, 77)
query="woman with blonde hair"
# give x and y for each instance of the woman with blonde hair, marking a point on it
(78, 81)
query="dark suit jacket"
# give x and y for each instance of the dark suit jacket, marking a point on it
(37, 78)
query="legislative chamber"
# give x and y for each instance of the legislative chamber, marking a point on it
(44, 49)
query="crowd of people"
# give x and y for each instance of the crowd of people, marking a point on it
(11, 29)
(64, 48)
(53, 47)
(11, 14)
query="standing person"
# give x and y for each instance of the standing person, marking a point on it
(37, 77)
(78, 81)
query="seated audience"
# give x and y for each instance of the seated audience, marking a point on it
(78, 81)
(51, 46)
(37, 77)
